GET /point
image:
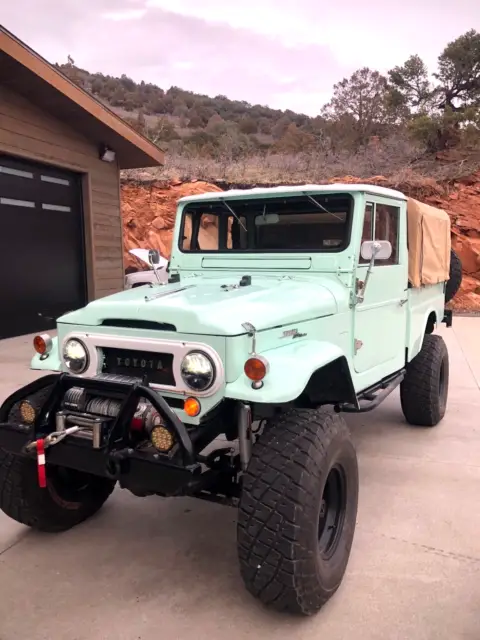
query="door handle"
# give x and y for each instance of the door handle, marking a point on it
(402, 302)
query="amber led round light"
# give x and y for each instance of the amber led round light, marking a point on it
(161, 438)
(27, 412)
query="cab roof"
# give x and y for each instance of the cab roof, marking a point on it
(298, 189)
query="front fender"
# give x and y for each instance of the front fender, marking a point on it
(51, 363)
(290, 369)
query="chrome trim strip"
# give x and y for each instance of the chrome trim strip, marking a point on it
(94, 342)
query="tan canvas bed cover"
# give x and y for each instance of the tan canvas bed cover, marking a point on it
(429, 244)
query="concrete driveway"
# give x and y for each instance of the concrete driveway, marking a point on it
(151, 568)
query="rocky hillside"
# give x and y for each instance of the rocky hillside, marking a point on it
(149, 213)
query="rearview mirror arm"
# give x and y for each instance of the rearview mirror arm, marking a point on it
(360, 294)
(154, 264)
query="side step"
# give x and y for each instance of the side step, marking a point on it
(373, 396)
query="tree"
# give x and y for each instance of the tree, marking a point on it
(459, 72)
(265, 125)
(294, 140)
(127, 83)
(164, 130)
(440, 111)
(362, 98)
(278, 131)
(411, 86)
(195, 122)
(215, 125)
(248, 125)
(140, 124)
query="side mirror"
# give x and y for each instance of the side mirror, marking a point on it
(372, 250)
(154, 257)
(376, 250)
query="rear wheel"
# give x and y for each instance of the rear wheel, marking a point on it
(298, 511)
(424, 390)
(69, 498)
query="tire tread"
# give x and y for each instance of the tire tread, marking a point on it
(278, 487)
(419, 389)
(23, 500)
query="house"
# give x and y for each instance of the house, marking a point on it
(61, 152)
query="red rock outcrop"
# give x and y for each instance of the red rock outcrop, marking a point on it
(149, 214)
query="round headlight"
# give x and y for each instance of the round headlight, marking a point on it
(197, 371)
(75, 356)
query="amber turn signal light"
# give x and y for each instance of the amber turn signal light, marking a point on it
(192, 407)
(42, 344)
(255, 368)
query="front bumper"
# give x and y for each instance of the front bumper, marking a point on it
(136, 468)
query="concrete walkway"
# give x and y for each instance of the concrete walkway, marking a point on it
(151, 568)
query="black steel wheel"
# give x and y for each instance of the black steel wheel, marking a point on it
(298, 510)
(333, 508)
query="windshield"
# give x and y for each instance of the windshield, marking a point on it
(319, 223)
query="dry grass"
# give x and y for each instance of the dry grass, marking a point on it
(396, 163)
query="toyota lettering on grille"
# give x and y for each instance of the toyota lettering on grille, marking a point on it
(141, 363)
(158, 368)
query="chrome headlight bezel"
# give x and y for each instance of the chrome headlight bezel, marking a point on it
(187, 376)
(84, 359)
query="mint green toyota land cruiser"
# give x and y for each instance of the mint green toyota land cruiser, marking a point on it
(285, 308)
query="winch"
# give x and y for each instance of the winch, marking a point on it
(95, 415)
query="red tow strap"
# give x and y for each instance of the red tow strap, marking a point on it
(42, 476)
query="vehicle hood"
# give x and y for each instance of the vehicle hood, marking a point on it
(211, 306)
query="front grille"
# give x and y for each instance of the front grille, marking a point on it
(156, 368)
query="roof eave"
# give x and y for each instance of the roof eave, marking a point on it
(148, 154)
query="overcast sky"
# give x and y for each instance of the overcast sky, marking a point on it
(284, 53)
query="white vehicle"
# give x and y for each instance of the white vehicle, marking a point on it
(145, 276)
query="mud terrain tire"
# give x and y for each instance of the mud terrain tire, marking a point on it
(298, 511)
(424, 390)
(453, 284)
(69, 498)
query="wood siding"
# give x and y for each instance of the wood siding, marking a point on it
(30, 133)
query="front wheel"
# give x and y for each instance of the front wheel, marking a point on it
(69, 497)
(298, 511)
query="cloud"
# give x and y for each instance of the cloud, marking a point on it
(172, 48)
(286, 55)
(128, 14)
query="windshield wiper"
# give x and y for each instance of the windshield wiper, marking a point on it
(233, 214)
(320, 206)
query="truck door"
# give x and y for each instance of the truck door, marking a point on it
(380, 320)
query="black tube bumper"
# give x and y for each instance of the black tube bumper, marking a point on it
(134, 470)
(139, 469)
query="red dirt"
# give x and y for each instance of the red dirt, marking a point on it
(149, 214)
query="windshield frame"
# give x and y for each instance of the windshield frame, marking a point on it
(202, 205)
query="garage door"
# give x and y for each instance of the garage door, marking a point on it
(42, 266)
